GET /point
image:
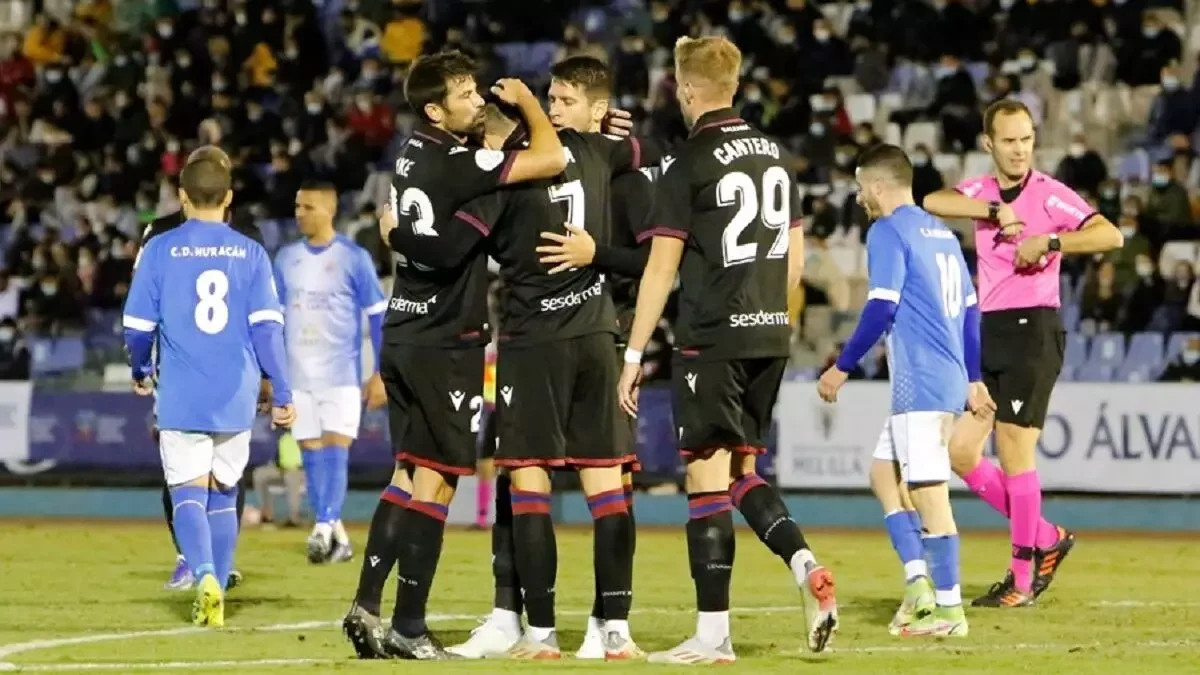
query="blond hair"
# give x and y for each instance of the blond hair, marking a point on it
(712, 61)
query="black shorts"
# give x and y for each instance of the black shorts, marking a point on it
(725, 404)
(1022, 357)
(486, 438)
(556, 404)
(435, 400)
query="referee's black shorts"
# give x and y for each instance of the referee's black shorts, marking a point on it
(1022, 357)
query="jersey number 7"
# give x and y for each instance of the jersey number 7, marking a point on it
(738, 189)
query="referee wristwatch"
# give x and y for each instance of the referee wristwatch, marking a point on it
(1055, 244)
(994, 211)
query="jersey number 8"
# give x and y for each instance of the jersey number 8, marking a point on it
(738, 188)
(212, 312)
(952, 287)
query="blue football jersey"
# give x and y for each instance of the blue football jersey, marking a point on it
(325, 292)
(201, 286)
(915, 261)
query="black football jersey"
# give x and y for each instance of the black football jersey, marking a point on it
(435, 175)
(728, 193)
(537, 306)
(625, 255)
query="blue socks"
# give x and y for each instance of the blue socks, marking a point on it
(904, 529)
(314, 481)
(223, 523)
(190, 505)
(336, 471)
(943, 561)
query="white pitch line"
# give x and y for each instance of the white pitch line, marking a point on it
(9, 650)
(953, 645)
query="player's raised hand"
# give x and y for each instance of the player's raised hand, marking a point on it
(617, 122)
(629, 387)
(572, 250)
(829, 384)
(511, 90)
(979, 400)
(143, 387)
(374, 394)
(282, 417)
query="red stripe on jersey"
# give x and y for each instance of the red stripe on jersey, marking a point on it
(661, 231)
(474, 222)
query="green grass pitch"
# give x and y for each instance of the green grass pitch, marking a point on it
(87, 597)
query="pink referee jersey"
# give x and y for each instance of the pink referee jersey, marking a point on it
(1045, 206)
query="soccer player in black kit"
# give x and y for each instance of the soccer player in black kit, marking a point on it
(578, 97)
(555, 376)
(434, 332)
(727, 219)
(181, 578)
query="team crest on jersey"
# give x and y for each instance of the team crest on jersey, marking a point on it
(666, 163)
(487, 160)
(506, 394)
(456, 399)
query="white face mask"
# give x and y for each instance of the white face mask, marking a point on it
(363, 105)
(821, 35)
(1077, 150)
(1191, 356)
(313, 108)
(165, 31)
(1128, 231)
(6, 334)
(1145, 270)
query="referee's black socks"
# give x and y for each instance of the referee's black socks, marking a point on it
(711, 546)
(767, 515)
(536, 554)
(612, 554)
(380, 553)
(504, 565)
(416, 562)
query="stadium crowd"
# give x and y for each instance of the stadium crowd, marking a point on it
(100, 100)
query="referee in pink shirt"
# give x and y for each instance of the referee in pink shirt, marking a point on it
(1025, 221)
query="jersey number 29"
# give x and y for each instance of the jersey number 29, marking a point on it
(212, 312)
(738, 189)
(952, 286)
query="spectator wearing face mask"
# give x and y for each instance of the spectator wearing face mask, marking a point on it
(1125, 259)
(1171, 313)
(829, 55)
(926, 178)
(1144, 295)
(1108, 200)
(956, 104)
(1174, 110)
(1168, 204)
(1102, 300)
(1082, 169)
(15, 359)
(1142, 59)
(1186, 366)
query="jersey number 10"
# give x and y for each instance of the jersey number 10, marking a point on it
(952, 285)
(738, 189)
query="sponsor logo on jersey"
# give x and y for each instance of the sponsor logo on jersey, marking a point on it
(574, 298)
(406, 306)
(753, 319)
(487, 160)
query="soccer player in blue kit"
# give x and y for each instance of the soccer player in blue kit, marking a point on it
(206, 293)
(922, 297)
